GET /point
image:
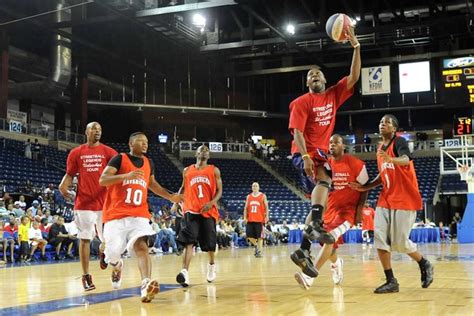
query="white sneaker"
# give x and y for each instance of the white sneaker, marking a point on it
(183, 278)
(303, 280)
(148, 290)
(337, 274)
(117, 276)
(211, 272)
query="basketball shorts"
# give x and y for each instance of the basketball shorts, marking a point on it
(320, 159)
(392, 230)
(195, 229)
(254, 230)
(89, 224)
(337, 223)
(121, 234)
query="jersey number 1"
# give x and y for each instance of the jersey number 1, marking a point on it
(200, 193)
(137, 197)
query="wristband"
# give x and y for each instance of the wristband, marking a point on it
(356, 45)
(306, 156)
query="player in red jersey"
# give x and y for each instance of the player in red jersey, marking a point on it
(344, 208)
(312, 121)
(368, 214)
(88, 161)
(256, 214)
(202, 187)
(397, 205)
(128, 177)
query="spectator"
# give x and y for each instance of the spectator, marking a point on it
(10, 209)
(34, 207)
(44, 227)
(11, 226)
(28, 149)
(22, 202)
(23, 239)
(165, 234)
(36, 241)
(36, 150)
(48, 217)
(453, 227)
(284, 232)
(3, 210)
(442, 233)
(17, 210)
(58, 237)
(6, 240)
(7, 198)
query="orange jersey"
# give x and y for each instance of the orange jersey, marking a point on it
(129, 197)
(368, 214)
(256, 210)
(200, 187)
(400, 186)
(343, 199)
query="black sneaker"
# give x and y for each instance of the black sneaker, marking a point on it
(427, 272)
(258, 254)
(315, 231)
(69, 256)
(57, 258)
(43, 258)
(391, 286)
(302, 259)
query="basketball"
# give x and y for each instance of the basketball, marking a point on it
(337, 25)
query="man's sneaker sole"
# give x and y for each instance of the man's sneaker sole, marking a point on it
(89, 288)
(309, 271)
(152, 288)
(180, 278)
(342, 267)
(301, 281)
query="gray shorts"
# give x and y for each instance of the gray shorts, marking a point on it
(392, 230)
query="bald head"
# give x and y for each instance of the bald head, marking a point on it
(93, 133)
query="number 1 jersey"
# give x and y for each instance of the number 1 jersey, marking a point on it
(129, 197)
(200, 187)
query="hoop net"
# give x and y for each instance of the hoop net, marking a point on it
(464, 171)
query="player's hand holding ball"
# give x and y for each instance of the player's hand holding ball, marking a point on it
(340, 28)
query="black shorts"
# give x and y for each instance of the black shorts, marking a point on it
(198, 229)
(254, 230)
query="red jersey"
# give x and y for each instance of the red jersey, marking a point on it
(314, 114)
(200, 187)
(343, 199)
(128, 198)
(256, 210)
(89, 162)
(400, 186)
(368, 215)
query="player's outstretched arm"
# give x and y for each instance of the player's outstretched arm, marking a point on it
(356, 62)
(65, 184)
(366, 187)
(156, 188)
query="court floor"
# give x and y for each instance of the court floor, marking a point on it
(246, 285)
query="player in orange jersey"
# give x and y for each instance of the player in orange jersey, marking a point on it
(256, 214)
(344, 208)
(202, 187)
(126, 214)
(397, 205)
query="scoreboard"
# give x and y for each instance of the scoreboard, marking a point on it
(463, 126)
(458, 81)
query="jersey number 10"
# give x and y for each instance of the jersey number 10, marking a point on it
(137, 197)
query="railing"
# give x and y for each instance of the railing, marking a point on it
(412, 145)
(45, 132)
(214, 146)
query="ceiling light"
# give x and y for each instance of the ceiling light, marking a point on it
(199, 20)
(290, 29)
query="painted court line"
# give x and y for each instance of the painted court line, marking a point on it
(83, 300)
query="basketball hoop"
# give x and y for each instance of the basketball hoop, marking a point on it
(464, 171)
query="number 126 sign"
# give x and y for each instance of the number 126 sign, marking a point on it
(215, 147)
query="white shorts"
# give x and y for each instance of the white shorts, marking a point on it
(121, 234)
(392, 230)
(88, 222)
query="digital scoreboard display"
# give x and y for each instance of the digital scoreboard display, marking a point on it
(458, 81)
(463, 126)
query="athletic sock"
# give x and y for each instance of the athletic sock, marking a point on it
(306, 244)
(389, 274)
